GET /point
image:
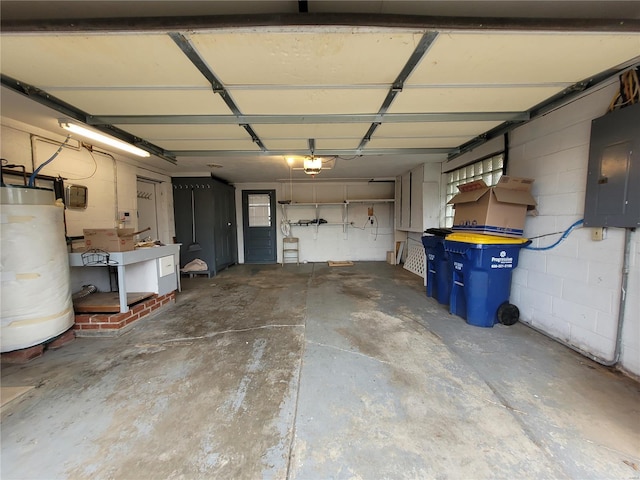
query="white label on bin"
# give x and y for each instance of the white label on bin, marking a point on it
(457, 265)
(431, 256)
(502, 261)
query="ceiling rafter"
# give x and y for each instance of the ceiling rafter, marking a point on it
(317, 153)
(546, 106)
(423, 46)
(367, 20)
(187, 48)
(305, 119)
(64, 108)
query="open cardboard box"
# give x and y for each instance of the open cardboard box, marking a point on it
(498, 210)
(109, 239)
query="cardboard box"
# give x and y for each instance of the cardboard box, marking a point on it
(499, 210)
(109, 239)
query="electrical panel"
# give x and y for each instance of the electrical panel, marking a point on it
(613, 178)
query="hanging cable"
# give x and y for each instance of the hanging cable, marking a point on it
(564, 235)
(37, 170)
(629, 90)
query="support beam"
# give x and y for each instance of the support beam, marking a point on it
(423, 45)
(67, 110)
(183, 43)
(305, 119)
(317, 153)
(192, 23)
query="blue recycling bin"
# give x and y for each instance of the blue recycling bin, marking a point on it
(481, 268)
(438, 270)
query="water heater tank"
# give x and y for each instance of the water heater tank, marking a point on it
(36, 293)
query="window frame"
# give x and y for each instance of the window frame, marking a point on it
(489, 169)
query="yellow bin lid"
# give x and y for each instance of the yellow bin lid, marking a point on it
(483, 239)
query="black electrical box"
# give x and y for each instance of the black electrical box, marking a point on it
(613, 178)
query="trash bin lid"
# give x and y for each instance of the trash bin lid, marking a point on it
(439, 232)
(482, 239)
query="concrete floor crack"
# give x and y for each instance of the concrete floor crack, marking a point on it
(348, 351)
(298, 380)
(224, 332)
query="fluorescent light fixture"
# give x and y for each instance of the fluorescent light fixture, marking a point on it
(312, 165)
(102, 138)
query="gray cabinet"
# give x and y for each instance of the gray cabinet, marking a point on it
(204, 212)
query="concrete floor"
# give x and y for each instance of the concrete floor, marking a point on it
(314, 372)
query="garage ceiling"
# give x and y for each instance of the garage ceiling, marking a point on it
(373, 94)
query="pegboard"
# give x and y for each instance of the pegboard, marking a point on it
(415, 260)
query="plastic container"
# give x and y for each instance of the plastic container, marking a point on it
(438, 269)
(481, 267)
(36, 293)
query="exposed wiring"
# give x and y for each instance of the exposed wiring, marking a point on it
(95, 163)
(564, 235)
(370, 219)
(375, 236)
(629, 91)
(546, 235)
(363, 227)
(37, 170)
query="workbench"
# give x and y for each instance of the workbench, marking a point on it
(151, 270)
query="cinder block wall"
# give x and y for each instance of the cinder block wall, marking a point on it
(110, 178)
(572, 292)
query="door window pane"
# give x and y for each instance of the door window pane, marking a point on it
(259, 210)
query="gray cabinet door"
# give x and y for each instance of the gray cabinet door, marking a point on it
(224, 219)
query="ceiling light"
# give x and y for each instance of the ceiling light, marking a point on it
(290, 160)
(312, 165)
(102, 138)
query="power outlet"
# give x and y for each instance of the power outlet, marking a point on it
(598, 234)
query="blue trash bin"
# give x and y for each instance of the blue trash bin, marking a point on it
(481, 268)
(438, 269)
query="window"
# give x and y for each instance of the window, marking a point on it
(490, 170)
(259, 210)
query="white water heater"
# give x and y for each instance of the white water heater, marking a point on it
(36, 292)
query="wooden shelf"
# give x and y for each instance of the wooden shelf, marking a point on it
(108, 302)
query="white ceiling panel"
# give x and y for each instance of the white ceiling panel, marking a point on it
(279, 144)
(434, 100)
(312, 130)
(299, 70)
(507, 58)
(97, 60)
(337, 143)
(435, 142)
(213, 144)
(285, 144)
(309, 102)
(306, 58)
(145, 102)
(186, 132)
(433, 129)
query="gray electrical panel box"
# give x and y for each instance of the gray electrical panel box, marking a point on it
(613, 178)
